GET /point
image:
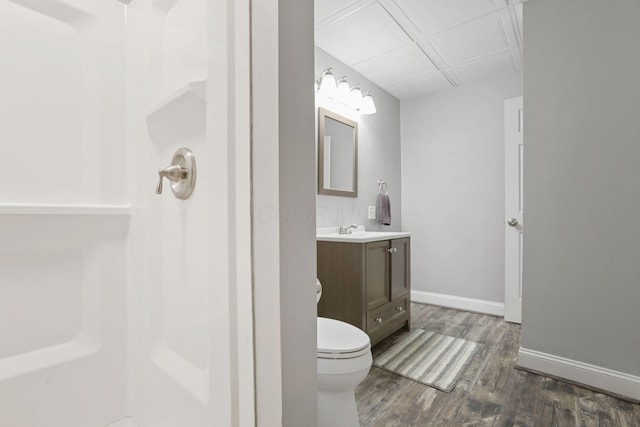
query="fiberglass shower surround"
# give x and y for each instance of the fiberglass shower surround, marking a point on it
(112, 297)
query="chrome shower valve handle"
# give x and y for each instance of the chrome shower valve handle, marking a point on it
(173, 173)
(181, 173)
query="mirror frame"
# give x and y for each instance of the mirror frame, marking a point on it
(322, 113)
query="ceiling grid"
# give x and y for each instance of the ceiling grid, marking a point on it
(414, 47)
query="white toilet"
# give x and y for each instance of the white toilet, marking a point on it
(344, 360)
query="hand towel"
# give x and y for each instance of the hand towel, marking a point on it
(383, 209)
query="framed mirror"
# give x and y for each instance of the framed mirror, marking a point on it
(337, 155)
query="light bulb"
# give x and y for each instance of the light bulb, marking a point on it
(367, 106)
(327, 84)
(355, 97)
(342, 94)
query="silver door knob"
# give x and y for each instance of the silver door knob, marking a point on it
(512, 222)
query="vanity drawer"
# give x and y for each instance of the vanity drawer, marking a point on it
(385, 319)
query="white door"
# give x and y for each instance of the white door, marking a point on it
(514, 206)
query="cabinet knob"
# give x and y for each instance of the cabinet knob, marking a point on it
(392, 250)
(378, 319)
(400, 308)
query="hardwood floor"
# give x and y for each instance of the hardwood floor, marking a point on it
(491, 392)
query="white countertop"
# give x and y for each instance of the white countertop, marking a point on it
(358, 236)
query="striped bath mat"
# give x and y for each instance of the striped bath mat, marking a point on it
(429, 358)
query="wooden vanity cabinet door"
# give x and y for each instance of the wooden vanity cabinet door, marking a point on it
(400, 267)
(378, 287)
(341, 271)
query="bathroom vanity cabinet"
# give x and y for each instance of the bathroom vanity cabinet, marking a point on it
(366, 284)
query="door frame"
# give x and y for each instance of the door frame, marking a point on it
(266, 229)
(284, 213)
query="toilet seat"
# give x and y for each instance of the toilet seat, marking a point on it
(340, 340)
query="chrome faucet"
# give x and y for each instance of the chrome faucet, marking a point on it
(346, 229)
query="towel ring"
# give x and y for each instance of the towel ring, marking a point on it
(381, 185)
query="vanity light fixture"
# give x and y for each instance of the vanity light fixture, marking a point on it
(355, 97)
(367, 106)
(341, 92)
(327, 84)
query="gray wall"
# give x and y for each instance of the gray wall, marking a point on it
(582, 181)
(378, 156)
(283, 213)
(297, 213)
(453, 188)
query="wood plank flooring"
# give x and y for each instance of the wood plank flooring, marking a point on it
(491, 392)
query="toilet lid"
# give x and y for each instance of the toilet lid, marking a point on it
(337, 338)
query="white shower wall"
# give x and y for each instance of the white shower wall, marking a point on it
(115, 302)
(65, 213)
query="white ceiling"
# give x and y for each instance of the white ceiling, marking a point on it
(414, 47)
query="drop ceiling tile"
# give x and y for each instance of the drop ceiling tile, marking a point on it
(324, 9)
(418, 85)
(433, 16)
(478, 38)
(364, 34)
(484, 70)
(399, 64)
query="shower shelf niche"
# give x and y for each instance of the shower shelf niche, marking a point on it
(180, 116)
(63, 209)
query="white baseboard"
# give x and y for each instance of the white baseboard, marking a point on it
(460, 303)
(605, 379)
